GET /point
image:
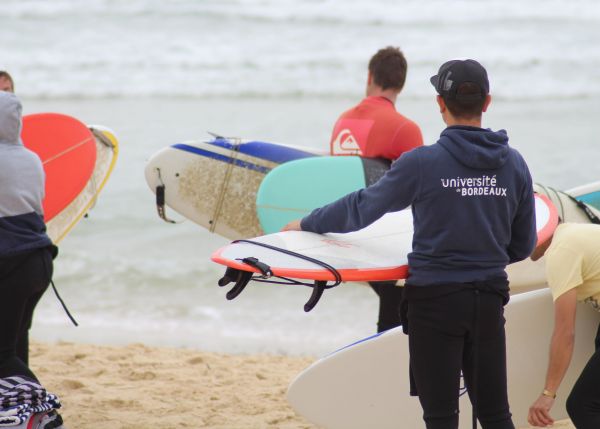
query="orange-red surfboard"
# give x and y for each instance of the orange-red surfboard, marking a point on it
(68, 152)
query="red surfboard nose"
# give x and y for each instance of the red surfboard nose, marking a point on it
(68, 152)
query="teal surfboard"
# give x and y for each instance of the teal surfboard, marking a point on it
(292, 190)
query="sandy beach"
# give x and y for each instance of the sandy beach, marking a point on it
(137, 387)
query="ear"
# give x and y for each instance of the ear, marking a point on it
(441, 103)
(486, 103)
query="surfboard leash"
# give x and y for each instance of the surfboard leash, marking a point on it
(242, 278)
(583, 206)
(548, 190)
(64, 306)
(235, 148)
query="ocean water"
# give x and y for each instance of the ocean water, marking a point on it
(161, 72)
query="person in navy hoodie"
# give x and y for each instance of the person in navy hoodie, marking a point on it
(26, 251)
(472, 201)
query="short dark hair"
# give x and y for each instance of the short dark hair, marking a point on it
(388, 68)
(7, 76)
(468, 103)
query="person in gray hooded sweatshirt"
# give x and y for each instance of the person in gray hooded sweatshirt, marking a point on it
(26, 251)
(473, 208)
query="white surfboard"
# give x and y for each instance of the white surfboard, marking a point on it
(377, 252)
(366, 384)
(107, 149)
(214, 183)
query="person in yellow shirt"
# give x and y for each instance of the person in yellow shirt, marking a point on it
(573, 274)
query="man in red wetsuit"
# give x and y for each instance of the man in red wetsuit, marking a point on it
(374, 129)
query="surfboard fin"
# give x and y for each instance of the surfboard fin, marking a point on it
(317, 292)
(215, 135)
(160, 199)
(230, 275)
(241, 279)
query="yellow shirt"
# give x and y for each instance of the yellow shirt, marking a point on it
(573, 261)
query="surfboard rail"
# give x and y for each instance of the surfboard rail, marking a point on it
(107, 149)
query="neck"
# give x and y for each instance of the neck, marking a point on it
(376, 91)
(473, 122)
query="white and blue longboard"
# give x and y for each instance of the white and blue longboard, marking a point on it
(214, 183)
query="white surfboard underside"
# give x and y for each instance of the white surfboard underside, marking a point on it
(366, 384)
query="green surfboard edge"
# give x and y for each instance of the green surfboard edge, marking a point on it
(292, 190)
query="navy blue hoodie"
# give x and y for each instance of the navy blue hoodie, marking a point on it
(472, 203)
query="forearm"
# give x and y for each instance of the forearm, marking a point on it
(344, 215)
(561, 350)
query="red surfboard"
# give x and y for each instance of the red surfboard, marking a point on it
(68, 152)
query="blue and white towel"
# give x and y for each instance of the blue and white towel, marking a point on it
(22, 397)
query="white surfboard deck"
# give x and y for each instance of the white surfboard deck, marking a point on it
(377, 252)
(214, 184)
(366, 384)
(107, 149)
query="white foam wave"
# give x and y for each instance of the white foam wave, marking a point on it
(331, 11)
(269, 48)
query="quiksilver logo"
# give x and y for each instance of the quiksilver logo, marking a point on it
(471, 186)
(345, 143)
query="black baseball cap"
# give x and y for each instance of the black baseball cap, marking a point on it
(456, 72)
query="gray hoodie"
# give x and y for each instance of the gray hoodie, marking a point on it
(22, 179)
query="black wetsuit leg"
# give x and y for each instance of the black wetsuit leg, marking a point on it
(23, 280)
(441, 333)
(488, 370)
(583, 403)
(390, 296)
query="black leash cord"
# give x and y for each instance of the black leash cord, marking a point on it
(63, 304)
(336, 275)
(583, 206)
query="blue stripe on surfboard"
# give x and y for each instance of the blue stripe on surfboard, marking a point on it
(593, 199)
(372, 337)
(219, 157)
(264, 150)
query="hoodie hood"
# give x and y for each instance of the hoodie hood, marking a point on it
(477, 148)
(10, 118)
